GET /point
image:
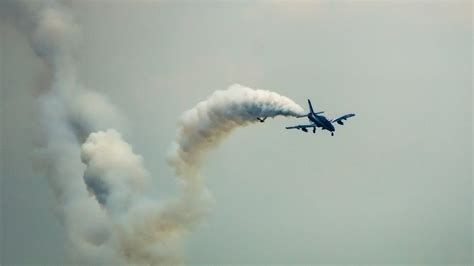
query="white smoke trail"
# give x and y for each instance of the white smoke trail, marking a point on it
(116, 177)
(101, 185)
(205, 125)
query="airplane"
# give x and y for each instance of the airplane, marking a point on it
(261, 119)
(321, 121)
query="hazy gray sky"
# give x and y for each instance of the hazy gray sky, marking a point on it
(393, 186)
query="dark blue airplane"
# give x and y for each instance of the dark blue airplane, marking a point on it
(321, 121)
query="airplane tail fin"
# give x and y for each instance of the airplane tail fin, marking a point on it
(310, 106)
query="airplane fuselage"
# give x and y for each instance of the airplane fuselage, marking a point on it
(321, 121)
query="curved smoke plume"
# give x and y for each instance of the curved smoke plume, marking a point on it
(116, 177)
(205, 125)
(99, 182)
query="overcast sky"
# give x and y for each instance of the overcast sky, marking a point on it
(394, 185)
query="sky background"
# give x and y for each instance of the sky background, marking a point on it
(394, 185)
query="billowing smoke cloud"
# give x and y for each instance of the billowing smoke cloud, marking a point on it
(142, 230)
(99, 182)
(114, 174)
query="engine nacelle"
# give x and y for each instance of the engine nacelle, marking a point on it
(340, 122)
(304, 129)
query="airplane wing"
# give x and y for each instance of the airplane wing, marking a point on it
(300, 126)
(340, 119)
